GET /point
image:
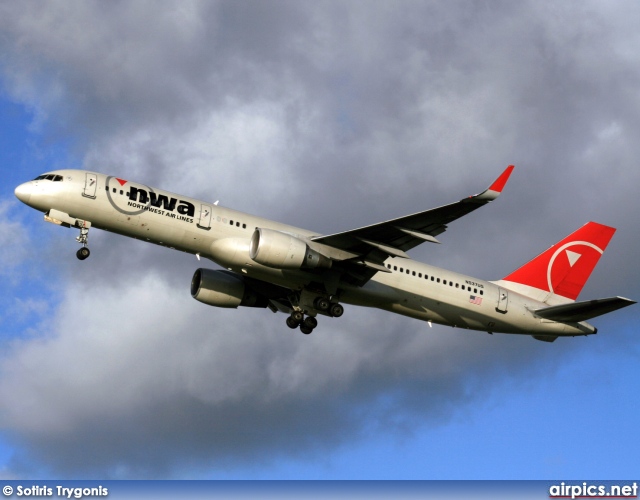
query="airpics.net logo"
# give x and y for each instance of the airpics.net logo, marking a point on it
(586, 490)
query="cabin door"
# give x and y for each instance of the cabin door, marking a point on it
(90, 185)
(503, 300)
(204, 222)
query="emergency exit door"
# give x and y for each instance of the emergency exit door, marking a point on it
(503, 300)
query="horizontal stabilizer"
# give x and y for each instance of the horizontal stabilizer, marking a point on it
(582, 311)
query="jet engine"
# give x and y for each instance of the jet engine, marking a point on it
(223, 289)
(283, 251)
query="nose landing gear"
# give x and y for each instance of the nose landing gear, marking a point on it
(63, 219)
(83, 239)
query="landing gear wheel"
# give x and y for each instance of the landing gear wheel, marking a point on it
(83, 253)
(310, 323)
(297, 316)
(321, 304)
(336, 310)
(305, 330)
(292, 323)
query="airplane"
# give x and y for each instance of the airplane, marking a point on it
(304, 274)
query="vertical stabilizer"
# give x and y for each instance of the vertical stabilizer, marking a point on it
(557, 275)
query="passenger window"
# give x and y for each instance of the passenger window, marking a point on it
(438, 280)
(244, 226)
(414, 273)
(408, 271)
(395, 268)
(114, 190)
(401, 270)
(481, 292)
(475, 290)
(121, 192)
(419, 275)
(231, 223)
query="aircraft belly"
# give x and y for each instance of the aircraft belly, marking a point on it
(447, 307)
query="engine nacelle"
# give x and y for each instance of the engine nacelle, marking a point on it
(223, 289)
(283, 251)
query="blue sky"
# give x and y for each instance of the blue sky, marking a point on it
(329, 117)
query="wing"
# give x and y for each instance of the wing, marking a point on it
(374, 244)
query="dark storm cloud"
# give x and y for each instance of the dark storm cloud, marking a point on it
(144, 390)
(328, 116)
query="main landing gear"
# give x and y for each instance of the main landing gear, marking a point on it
(83, 239)
(333, 309)
(307, 325)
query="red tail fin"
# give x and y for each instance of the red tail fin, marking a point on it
(564, 269)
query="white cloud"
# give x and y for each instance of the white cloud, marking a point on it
(248, 150)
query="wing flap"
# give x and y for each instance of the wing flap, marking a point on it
(582, 311)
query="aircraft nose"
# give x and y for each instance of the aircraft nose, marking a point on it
(23, 192)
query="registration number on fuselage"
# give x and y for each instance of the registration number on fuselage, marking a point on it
(473, 283)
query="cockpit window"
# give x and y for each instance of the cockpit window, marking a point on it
(49, 177)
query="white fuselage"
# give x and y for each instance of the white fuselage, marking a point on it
(223, 235)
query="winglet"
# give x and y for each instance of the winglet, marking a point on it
(496, 188)
(500, 182)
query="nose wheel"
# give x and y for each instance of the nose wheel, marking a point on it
(83, 253)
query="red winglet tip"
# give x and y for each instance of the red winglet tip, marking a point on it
(500, 182)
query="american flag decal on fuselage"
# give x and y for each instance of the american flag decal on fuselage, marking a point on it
(475, 299)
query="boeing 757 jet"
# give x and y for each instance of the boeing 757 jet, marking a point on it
(305, 274)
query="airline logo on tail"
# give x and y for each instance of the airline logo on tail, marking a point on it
(565, 267)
